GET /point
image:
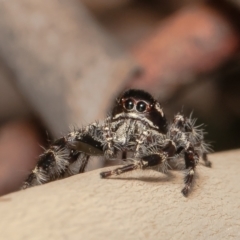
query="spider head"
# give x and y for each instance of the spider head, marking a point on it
(138, 104)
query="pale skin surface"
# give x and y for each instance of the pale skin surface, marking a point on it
(137, 205)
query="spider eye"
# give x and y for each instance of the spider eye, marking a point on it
(141, 106)
(129, 104)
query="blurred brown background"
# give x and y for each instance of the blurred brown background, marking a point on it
(62, 63)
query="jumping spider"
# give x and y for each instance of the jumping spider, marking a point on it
(137, 125)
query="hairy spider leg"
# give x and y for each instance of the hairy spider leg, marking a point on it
(189, 140)
(52, 164)
(147, 154)
(145, 162)
(120, 170)
(195, 135)
(66, 156)
(191, 161)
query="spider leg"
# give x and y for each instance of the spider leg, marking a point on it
(138, 164)
(54, 164)
(118, 171)
(195, 135)
(189, 140)
(152, 160)
(66, 156)
(108, 148)
(191, 160)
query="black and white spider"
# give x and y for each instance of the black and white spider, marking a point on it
(137, 126)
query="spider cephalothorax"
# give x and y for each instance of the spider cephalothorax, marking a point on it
(137, 104)
(137, 126)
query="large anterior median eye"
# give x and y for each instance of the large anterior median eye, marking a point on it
(141, 106)
(129, 104)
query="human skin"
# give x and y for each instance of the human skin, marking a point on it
(137, 205)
